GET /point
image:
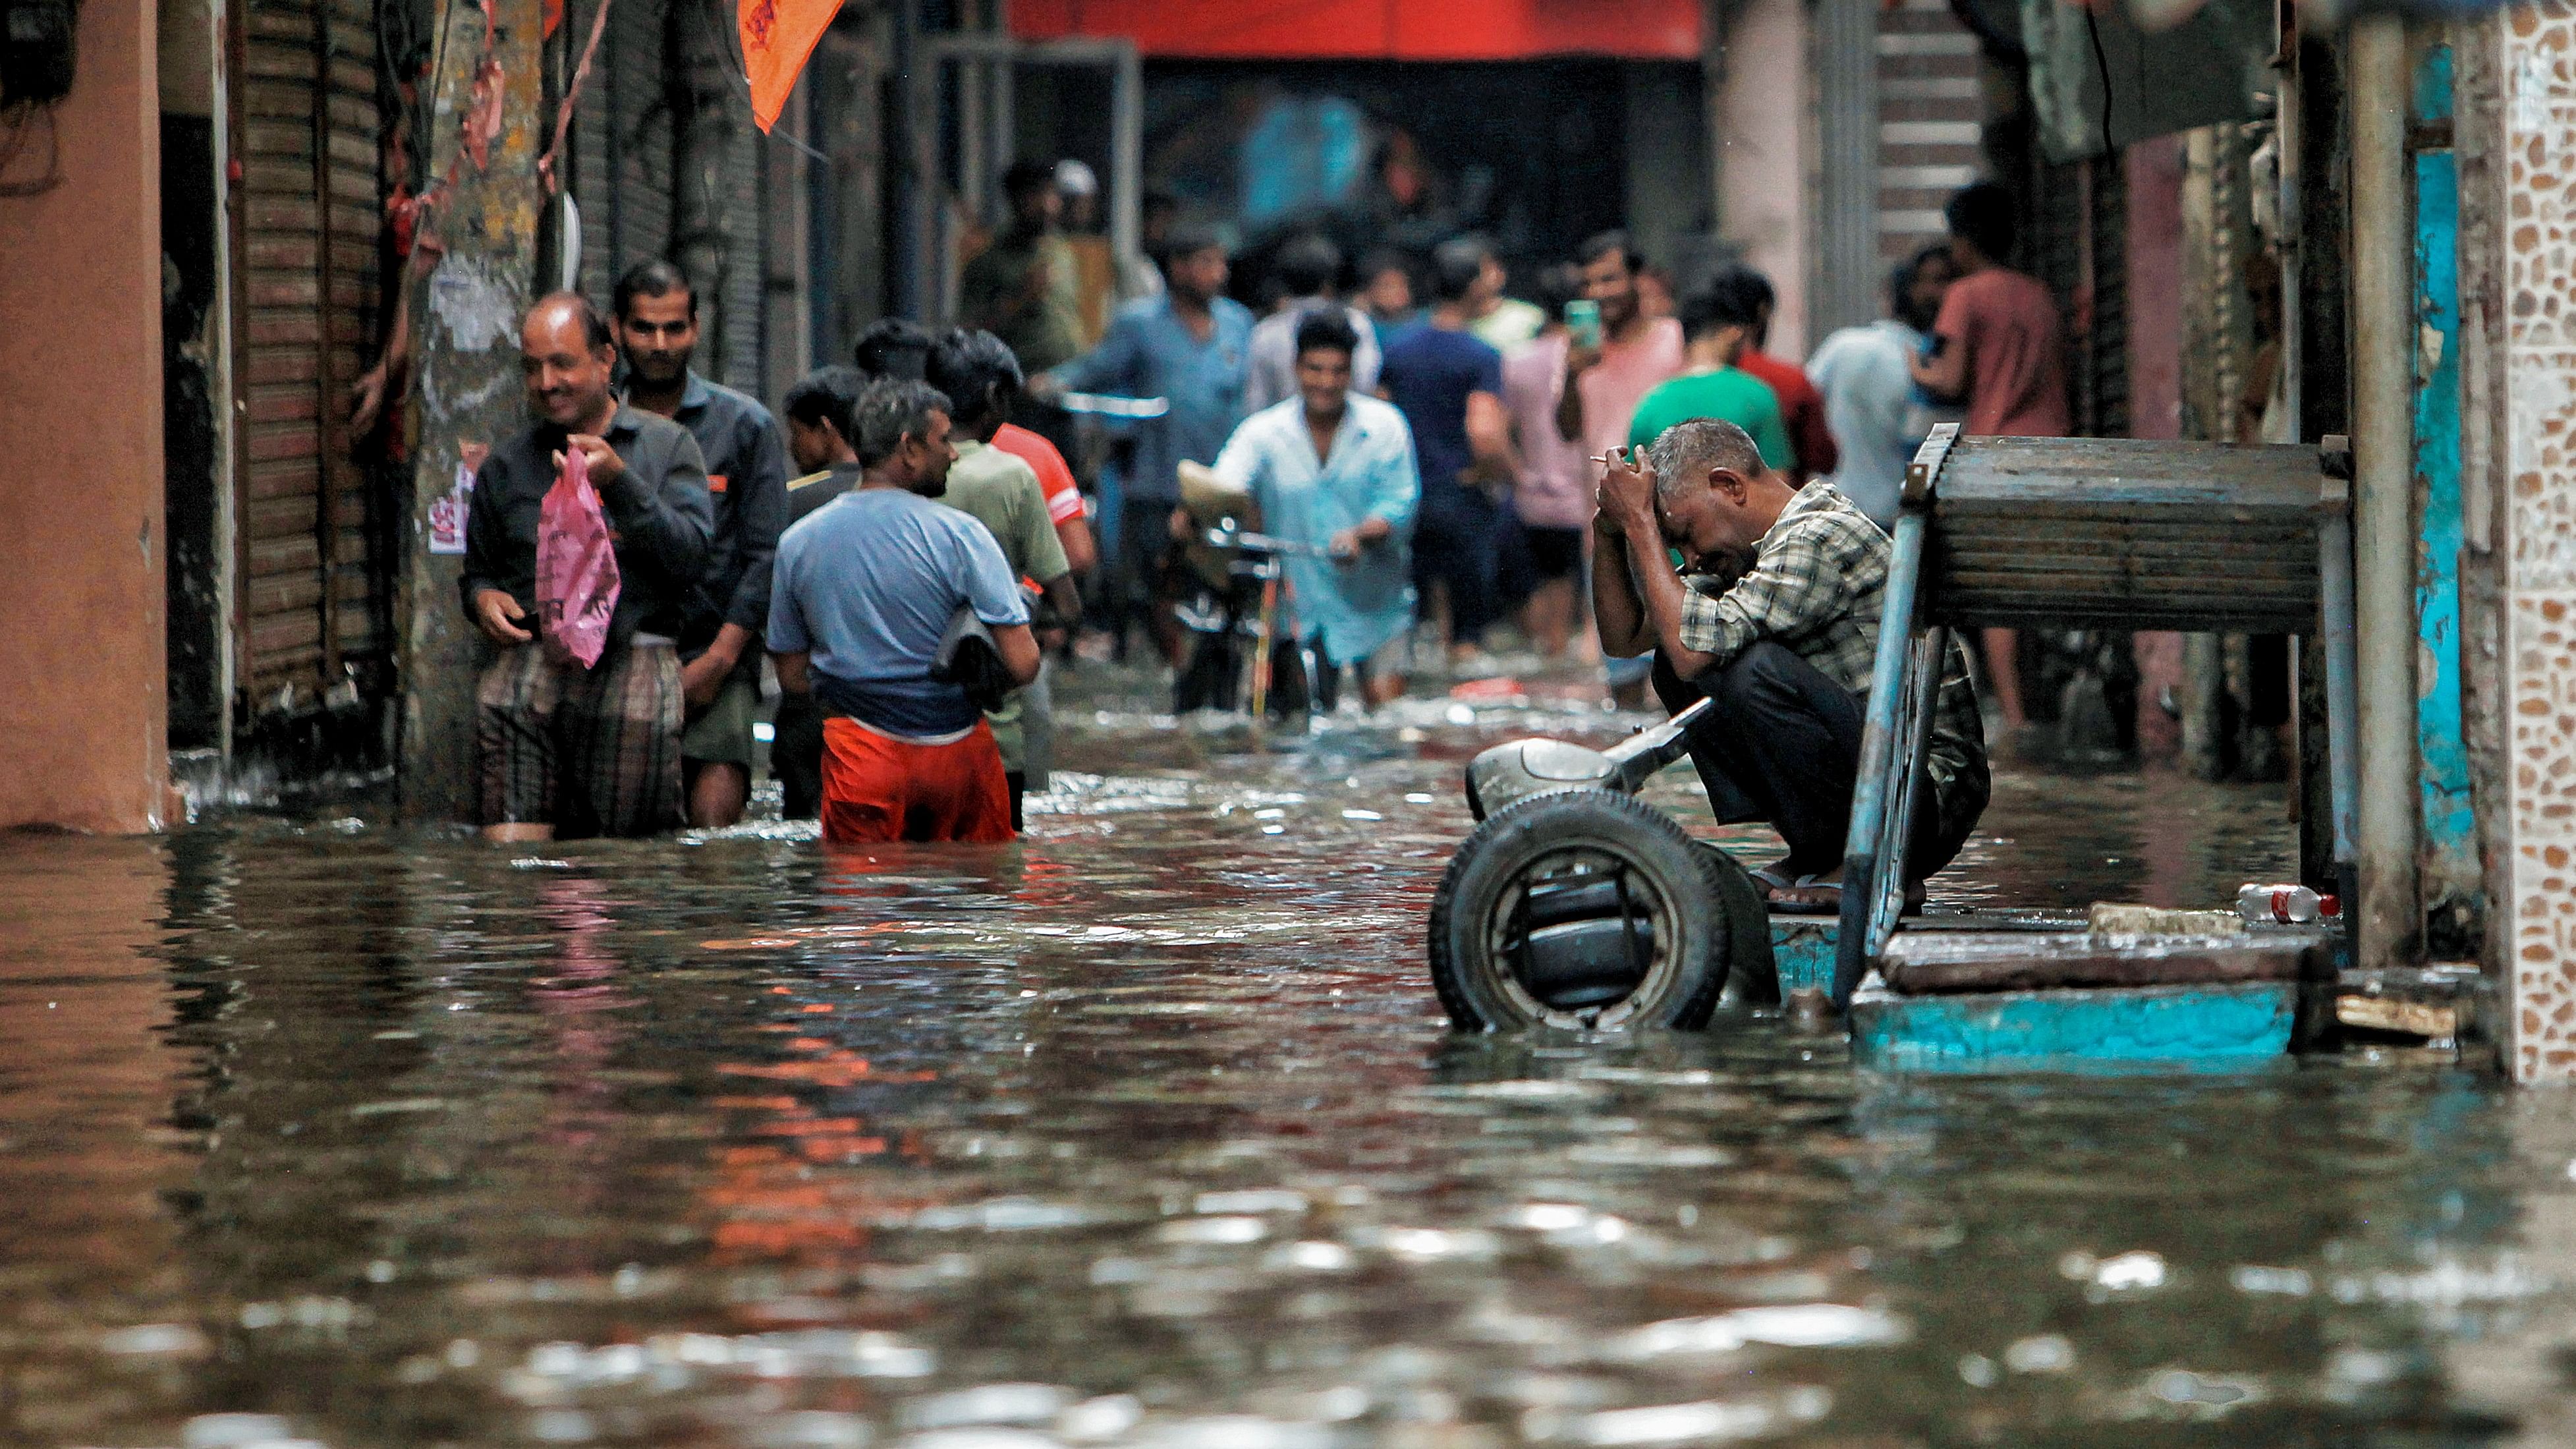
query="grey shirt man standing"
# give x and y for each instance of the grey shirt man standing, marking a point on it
(656, 316)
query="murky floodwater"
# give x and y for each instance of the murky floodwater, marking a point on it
(1149, 1131)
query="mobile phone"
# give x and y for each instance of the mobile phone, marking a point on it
(1583, 321)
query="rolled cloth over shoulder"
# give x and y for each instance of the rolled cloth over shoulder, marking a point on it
(966, 680)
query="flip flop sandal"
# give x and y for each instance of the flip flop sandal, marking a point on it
(1770, 879)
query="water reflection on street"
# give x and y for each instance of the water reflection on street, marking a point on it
(1150, 1131)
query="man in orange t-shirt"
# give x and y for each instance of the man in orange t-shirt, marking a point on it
(1802, 408)
(1999, 346)
(1063, 496)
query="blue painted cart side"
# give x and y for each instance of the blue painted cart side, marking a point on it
(2449, 823)
(2167, 1028)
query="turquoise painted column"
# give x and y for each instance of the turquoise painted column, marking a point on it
(2448, 842)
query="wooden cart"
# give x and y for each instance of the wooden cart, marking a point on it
(2088, 532)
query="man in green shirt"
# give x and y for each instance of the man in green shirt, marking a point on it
(1024, 288)
(980, 377)
(1713, 387)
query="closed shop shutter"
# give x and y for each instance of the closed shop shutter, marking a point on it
(622, 144)
(2079, 247)
(313, 584)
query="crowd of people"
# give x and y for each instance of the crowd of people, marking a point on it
(1432, 454)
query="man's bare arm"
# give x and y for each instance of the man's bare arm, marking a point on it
(795, 672)
(1662, 590)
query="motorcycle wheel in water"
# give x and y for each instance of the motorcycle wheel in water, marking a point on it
(1590, 910)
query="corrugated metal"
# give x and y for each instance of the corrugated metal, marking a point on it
(314, 588)
(2078, 246)
(621, 141)
(716, 212)
(1929, 106)
(745, 350)
(1846, 42)
(593, 145)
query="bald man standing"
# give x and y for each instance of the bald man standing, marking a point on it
(564, 750)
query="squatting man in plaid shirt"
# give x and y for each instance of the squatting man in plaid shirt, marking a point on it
(1775, 617)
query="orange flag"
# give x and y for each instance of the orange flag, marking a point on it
(777, 36)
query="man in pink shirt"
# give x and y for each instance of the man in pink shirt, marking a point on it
(1998, 346)
(1552, 495)
(1603, 384)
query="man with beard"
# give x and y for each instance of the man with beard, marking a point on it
(656, 314)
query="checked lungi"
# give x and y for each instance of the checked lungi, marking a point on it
(588, 751)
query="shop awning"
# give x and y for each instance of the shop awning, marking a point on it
(1376, 29)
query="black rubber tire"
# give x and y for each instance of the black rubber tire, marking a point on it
(1692, 894)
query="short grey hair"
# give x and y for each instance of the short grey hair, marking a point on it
(891, 410)
(1686, 452)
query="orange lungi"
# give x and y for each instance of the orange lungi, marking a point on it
(879, 788)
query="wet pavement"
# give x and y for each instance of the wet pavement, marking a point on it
(1150, 1131)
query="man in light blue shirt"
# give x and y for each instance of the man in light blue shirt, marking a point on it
(1190, 347)
(1334, 469)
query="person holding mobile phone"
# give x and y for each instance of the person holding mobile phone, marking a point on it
(1604, 382)
(1552, 493)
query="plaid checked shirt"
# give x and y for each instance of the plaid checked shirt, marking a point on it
(1818, 586)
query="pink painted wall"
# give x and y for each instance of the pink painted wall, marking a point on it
(2154, 176)
(1762, 171)
(82, 683)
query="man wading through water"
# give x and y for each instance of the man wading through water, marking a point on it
(1777, 622)
(562, 749)
(656, 313)
(1335, 469)
(865, 588)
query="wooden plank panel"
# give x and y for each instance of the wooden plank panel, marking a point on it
(277, 442)
(283, 328)
(284, 290)
(278, 177)
(281, 213)
(280, 531)
(282, 251)
(277, 63)
(283, 477)
(262, 365)
(280, 405)
(277, 137)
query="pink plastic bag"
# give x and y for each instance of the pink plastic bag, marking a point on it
(576, 567)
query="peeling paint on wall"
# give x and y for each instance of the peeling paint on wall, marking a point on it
(473, 303)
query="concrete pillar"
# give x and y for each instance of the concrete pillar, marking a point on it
(83, 691)
(465, 392)
(1763, 129)
(2517, 120)
(2389, 923)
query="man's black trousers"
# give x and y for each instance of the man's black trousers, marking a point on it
(1782, 746)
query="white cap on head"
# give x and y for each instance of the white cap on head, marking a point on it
(1073, 178)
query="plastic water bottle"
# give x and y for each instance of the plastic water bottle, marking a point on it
(2287, 905)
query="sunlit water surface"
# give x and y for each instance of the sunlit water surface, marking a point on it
(1149, 1131)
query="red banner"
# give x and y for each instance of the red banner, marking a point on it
(777, 36)
(1376, 29)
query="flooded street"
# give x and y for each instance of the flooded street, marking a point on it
(1150, 1131)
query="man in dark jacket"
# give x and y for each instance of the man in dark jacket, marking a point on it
(564, 750)
(656, 313)
(822, 420)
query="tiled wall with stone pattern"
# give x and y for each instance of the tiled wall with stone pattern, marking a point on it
(2536, 55)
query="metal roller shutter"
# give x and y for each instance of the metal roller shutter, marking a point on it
(622, 143)
(306, 212)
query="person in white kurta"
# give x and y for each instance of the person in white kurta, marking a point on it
(1355, 498)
